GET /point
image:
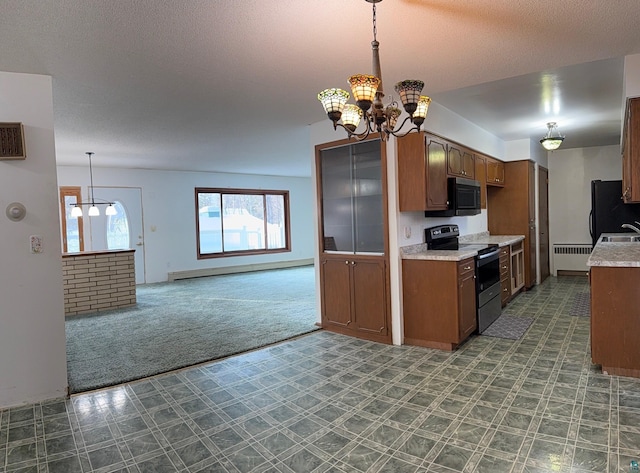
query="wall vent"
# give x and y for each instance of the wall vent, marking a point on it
(12, 141)
(570, 257)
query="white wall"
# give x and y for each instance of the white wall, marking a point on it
(169, 213)
(517, 150)
(631, 83)
(32, 337)
(570, 174)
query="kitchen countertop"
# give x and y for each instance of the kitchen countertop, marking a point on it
(420, 251)
(615, 254)
(500, 240)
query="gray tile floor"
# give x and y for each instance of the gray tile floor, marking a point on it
(329, 403)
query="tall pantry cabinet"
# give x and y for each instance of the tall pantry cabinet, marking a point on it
(511, 210)
(354, 267)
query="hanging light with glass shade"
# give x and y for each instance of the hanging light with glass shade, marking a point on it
(94, 211)
(553, 138)
(368, 94)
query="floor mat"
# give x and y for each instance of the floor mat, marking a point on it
(508, 326)
(581, 305)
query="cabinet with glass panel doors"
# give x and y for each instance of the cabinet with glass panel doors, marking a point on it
(354, 269)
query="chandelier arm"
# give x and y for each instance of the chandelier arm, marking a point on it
(76, 204)
(397, 132)
(356, 136)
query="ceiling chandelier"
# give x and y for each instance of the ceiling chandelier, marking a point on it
(93, 209)
(367, 91)
(553, 139)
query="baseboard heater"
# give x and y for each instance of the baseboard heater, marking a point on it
(570, 257)
(198, 273)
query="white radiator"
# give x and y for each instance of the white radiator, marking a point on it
(570, 257)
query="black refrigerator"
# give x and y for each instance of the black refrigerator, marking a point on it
(608, 211)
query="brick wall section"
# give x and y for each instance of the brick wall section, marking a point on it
(95, 281)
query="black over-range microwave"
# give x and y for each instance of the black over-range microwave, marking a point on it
(464, 198)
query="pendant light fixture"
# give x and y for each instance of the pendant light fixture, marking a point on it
(94, 211)
(553, 139)
(367, 92)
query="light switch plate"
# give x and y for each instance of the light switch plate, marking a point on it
(36, 243)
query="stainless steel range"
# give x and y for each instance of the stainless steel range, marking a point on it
(487, 260)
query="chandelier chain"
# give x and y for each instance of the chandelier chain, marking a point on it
(91, 174)
(375, 30)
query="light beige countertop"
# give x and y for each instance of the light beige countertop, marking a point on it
(420, 251)
(500, 240)
(615, 253)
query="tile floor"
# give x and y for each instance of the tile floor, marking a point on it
(329, 403)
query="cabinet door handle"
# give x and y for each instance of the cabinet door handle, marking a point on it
(466, 268)
(505, 289)
(504, 266)
(353, 263)
(346, 262)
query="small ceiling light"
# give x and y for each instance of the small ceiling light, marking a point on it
(93, 209)
(367, 91)
(553, 139)
(76, 211)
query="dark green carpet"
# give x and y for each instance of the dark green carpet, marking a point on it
(186, 322)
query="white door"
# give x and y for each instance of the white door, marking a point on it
(123, 230)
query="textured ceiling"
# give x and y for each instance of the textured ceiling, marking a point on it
(230, 85)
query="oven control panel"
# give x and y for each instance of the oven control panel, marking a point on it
(441, 231)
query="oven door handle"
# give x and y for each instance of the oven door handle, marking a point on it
(489, 255)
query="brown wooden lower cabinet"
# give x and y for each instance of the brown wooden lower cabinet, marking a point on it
(439, 302)
(505, 275)
(615, 319)
(355, 297)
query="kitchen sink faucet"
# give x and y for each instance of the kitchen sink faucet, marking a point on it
(632, 227)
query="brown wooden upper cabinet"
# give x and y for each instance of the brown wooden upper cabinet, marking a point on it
(460, 161)
(631, 152)
(425, 161)
(494, 172)
(481, 177)
(422, 172)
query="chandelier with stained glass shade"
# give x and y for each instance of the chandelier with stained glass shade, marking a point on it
(368, 94)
